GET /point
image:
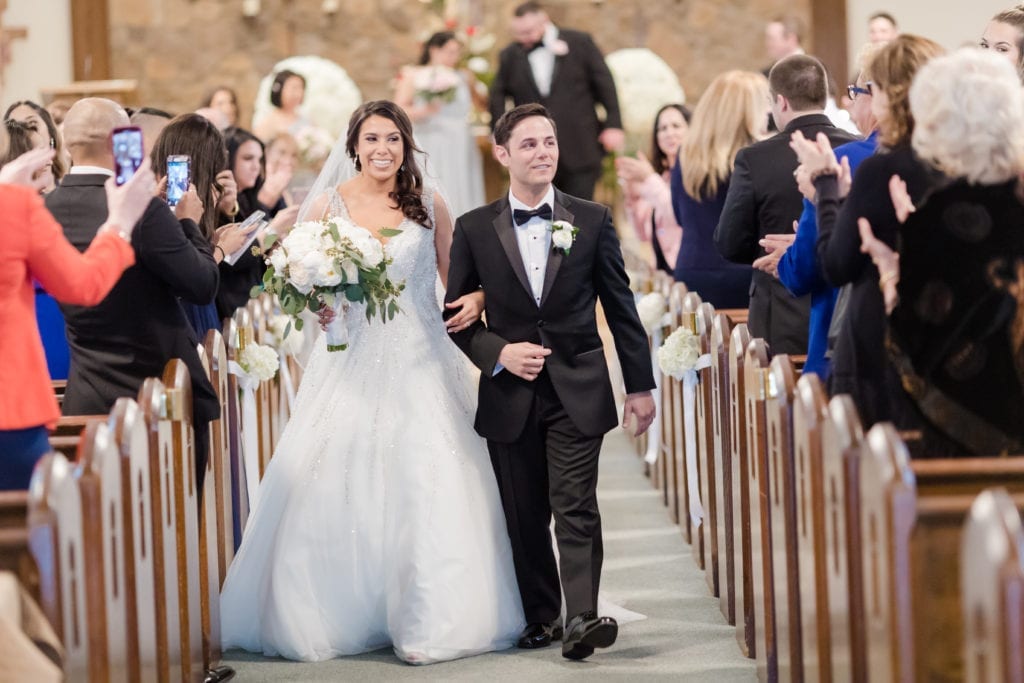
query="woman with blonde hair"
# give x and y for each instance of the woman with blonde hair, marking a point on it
(1004, 34)
(732, 114)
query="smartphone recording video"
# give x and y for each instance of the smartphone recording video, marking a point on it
(178, 175)
(126, 143)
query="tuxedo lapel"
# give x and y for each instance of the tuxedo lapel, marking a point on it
(507, 236)
(555, 256)
(524, 61)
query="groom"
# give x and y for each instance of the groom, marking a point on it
(545, 397)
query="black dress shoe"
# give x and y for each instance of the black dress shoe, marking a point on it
(539, 635)
(219, 674)
(587, 631)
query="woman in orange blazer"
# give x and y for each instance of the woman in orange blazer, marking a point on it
(32, 245)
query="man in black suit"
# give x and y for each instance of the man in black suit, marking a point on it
(545, 396)
(139, 326)
(565, 71)
(763, 201)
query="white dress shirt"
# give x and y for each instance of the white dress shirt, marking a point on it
(91, 170)
(542, 60)
(534, 238)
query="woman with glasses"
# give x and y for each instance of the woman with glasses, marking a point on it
(859, 365)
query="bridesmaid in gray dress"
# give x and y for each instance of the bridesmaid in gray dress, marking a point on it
(441, 124)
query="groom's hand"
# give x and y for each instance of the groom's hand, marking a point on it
(525, 360)
(639, 407)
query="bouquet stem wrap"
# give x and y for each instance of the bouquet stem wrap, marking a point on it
(337, 332)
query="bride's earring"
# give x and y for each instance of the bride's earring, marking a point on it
(358, 164)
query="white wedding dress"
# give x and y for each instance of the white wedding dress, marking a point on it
(378, 521)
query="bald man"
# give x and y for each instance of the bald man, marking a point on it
(140, 326)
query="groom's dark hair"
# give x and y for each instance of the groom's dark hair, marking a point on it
(510, 119)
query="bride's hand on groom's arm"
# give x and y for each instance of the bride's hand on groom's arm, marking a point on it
(639, 410)
(472, 306)
(523, 359)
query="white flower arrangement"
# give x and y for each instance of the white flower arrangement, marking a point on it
(563, 235)
(331, 95)
(679, 353)
(652, 309)
(330, 262)
(434, 82)
(644, 83)
(314, 144)
(259, 361)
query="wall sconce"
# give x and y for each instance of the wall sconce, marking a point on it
(251, 8)
(330, 6)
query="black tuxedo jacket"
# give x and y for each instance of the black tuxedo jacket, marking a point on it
(580, 80)
(485, 254)
(764, 199)
(139, 326)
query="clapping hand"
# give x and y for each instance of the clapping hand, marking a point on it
(612, 139)
(633, 170)
(775, 245)
(900, 198)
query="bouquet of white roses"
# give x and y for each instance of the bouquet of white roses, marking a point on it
(435, 83)
(330, 262)
(652, 309)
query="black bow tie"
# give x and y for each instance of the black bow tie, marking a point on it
(521, 216)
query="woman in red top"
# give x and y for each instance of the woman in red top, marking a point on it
(32, 245)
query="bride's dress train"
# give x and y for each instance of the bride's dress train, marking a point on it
(378, 521)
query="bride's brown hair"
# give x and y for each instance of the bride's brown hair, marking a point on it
(408, 192)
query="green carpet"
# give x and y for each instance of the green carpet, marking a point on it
(648, 568)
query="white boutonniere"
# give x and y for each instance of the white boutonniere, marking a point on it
(563, 235)
(559, 47)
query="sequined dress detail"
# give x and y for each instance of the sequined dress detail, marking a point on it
(378, 521)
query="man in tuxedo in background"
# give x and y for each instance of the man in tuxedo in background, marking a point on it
(566, 72)
(139, 326)
(545, 396)
(756, 225)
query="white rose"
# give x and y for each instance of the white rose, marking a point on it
(301, 278)
(372, 250)
(561, 235)
(279, 260)
(351, 271)
(679, 352)
(327, 275)
(259, 361)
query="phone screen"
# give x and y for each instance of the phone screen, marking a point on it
(128, 152)
(177, 177)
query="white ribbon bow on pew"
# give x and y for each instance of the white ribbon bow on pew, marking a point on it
(249, 429)
(286, 380)
(690, 381)
(654, 432)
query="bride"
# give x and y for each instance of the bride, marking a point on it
(378, 520)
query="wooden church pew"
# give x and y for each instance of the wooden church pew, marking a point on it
(215, 353)
(910, 531)
(739, 340)
(810, 410)
(722, 455)
(132, 436)
(672, 478)
(992, 589)
(238, 481)
(704, 319)
(842, 441)
(755, 394)
(99, 482)
(186, 502)
(153, 400)
(695, 535)
(780, 531)
(57, 543)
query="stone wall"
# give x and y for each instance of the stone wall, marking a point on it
(177, 49)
